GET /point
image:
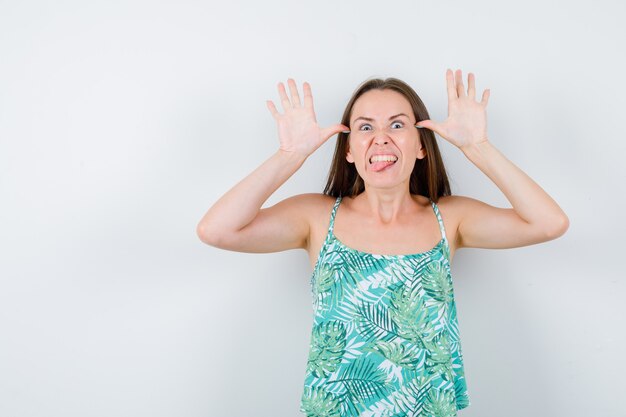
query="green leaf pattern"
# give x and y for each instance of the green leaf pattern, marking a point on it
(385, 340)
(328, 343)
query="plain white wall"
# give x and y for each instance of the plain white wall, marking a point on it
(121, 122)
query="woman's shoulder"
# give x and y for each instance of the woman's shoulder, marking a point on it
(454, 207)
(315, 208)
(314, 198)
(312, 205)
(456, 201)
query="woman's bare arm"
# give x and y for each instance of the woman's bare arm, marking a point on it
(535, 216)
(236, 221)
(279, 227)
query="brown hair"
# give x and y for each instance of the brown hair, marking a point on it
(429, 176)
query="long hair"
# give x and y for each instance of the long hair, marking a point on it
(428, 177)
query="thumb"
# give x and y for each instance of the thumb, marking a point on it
(428, 124)
(333, 130)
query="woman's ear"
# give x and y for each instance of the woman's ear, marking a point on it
(421, 151)
(349, 157)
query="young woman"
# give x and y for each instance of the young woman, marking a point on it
(385, 338)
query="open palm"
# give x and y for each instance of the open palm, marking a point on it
(467, 119)
(298, 130)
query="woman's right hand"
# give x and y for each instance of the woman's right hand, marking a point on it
(298, 130)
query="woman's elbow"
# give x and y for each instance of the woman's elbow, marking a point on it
(206, 235)
(559, 227)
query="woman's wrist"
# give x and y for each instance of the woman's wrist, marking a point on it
(474, 150)
(291, 156)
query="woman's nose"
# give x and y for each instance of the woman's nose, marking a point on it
(382, 136)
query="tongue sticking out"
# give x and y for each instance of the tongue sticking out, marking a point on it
(380, 165)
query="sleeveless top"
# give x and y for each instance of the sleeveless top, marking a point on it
(385, 340)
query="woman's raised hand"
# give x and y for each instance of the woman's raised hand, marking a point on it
(466, 124)
(298, 130)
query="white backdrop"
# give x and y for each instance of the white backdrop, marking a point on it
(121, 122)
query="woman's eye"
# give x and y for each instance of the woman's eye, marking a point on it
(364, 126)
(400, 124)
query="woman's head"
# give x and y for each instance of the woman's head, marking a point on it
(382, 115)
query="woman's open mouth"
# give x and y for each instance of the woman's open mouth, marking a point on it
(381, 162)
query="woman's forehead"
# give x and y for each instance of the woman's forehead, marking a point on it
(380, 104)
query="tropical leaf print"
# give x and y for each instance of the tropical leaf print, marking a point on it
(460, 391)
(440, 404)
(385, 340)
(362, 382)
(408, 400)
(411, 316)
(323, 279)
(354, 348)
(328, 342)
(439, 360)
(318, 403)
(400, 354)
(377, 282)
(375, 323)
(436, 283)
(452, 326)
(359, 264)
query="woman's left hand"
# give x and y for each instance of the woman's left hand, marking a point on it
(466, 124)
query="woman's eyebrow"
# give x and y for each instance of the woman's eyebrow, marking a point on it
(369, 119)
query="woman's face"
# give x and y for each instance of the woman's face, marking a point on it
(382, 123)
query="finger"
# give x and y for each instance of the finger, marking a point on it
(471, 86)
(333, 130)
(308, 95)
(452, 94)
(293, 88)
(485, 98)
(425, 124)
(459, 83)
(272, 108)
(283, 96)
